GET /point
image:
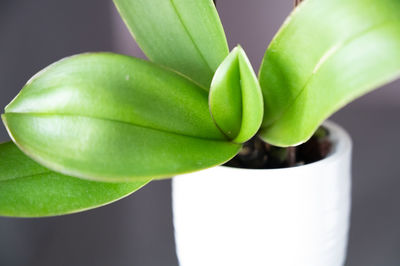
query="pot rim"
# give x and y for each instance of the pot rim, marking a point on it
(341, 144)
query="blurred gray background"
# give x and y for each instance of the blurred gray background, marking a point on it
(137, 230)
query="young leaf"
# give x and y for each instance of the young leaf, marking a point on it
(235, 100)
(29, 190)
(110, 117)
(184, 35)
(326, 54)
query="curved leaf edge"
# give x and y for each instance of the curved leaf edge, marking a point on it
(264, 132)
(45, 174)
(201, 81)
(225, 67)
(239, 56)
(166, 68)
(241, 137)
(76, 211)
(58, 169)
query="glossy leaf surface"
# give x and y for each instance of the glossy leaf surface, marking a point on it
(327, 54)
(236, 102)
(30, 190)
(184, 35)
(110, 117)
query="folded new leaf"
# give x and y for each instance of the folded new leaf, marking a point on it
(184, 35)
(326, 54)
(235, 99)
(30, 190)
(110, 117)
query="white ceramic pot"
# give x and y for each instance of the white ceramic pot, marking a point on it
(295, 216)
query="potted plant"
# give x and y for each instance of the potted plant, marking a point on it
(100, 126)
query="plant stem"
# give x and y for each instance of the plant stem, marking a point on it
(297, 2)
(291, 156)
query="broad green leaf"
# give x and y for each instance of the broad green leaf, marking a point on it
(235, 100)
(327, 54)
(30, 190)
(184, 35)
(110, 117)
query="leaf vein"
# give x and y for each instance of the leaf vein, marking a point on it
(47, 172)
(324, 58)
(190, 36)
(119, 121)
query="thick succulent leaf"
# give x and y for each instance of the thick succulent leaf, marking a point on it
(326, 54)
(30, 190)
(225, 97)
(110, 117)
(184, 35)
(235, 99)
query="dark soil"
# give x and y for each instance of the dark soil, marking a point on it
(256, 154)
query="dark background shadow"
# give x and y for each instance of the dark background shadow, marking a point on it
(137, 230)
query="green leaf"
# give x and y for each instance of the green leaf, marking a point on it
(110, 117)
(327, 54)
(29, 190)
(184, 35)
(235, 100)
